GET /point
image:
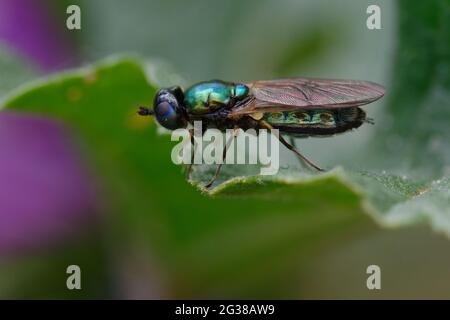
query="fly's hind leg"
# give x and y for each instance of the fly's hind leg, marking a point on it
(299, 155)
(292, 143)
(265, 124)
(188, 170)
(224, 154)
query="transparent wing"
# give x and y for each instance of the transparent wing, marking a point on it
(307, 93)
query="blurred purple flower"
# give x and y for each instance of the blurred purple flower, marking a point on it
(45, 194)
(37, 30)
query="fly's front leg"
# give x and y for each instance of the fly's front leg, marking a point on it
(265, 124)
(189, 166)
(224, 155)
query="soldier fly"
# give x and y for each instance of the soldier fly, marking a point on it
(297, 107)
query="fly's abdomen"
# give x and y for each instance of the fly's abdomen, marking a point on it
(316, 122)
(208, 96)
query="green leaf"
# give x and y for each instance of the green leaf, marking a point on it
(241, 237)
(153, 204)
(417, 128)
(42, 274)
(224, 236)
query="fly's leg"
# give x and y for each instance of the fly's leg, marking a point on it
(302, 157)
(224, 154)
(292, 142)
(265, 124)
(189, 166)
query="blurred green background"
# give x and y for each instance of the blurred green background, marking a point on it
(298, 236)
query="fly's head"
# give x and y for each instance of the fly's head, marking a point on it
(168, 108)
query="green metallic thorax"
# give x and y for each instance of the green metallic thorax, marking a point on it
(207, 96)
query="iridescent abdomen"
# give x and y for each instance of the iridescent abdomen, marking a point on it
(316, 122)
(207, 96)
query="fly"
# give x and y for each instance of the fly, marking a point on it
(297, 107)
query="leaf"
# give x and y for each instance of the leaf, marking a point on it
(240, 238)
(43, 275)
(218, 243)
(417, 128)
(153, 204)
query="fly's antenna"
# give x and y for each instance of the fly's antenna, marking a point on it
(143, 111)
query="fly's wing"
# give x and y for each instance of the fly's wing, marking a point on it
(305, 93)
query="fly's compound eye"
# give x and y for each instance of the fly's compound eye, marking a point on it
(168, 109)
(168, 116)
